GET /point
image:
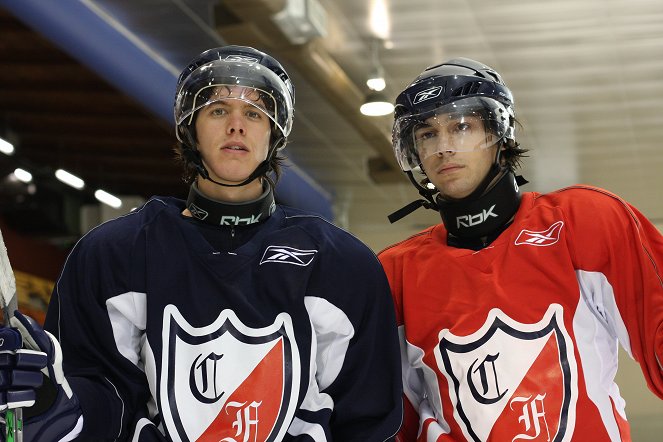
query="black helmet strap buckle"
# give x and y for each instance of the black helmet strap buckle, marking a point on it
(427, 203)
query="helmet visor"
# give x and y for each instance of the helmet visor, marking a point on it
(461, 126)
(235, 80)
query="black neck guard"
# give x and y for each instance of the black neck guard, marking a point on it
(222, 213)
(483, 215)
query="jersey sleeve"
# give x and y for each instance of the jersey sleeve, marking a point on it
(357, 360)
(108, 385)
(413, 385)
(611, 238)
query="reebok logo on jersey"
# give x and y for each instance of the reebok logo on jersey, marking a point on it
(288, 255)
(477, 218)
(427, 94)
(544, 238)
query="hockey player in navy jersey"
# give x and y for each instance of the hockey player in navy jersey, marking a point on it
(510, 310)
(226, 317)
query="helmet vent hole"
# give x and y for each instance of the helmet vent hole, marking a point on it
(467, 89)
(496, 77)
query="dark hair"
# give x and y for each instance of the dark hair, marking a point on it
(513, 154)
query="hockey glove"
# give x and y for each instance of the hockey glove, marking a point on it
(56, 415)
(20, 371)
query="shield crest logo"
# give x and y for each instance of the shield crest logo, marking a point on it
(227, 382)
(512, 381)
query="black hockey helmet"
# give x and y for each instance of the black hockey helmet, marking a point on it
(239, 73)
(459, 86)
(201, 83)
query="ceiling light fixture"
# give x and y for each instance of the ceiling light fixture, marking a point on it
(376, 103)
(69, 179)
(6, 147)
(379, 20)
(108, 199)
(376, 80)
(22, 175)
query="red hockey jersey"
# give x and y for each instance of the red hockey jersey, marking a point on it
(518, 341)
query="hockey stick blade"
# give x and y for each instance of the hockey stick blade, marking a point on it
(7, 284)
(14, 418)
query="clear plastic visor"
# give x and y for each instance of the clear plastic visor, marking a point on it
(462, 126)
(223, 80)
(223, 92)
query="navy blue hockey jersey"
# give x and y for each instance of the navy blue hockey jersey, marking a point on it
(291, 336)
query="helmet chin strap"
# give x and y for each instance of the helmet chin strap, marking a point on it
(491, 205)
(217, 212)
(432, 202)
(193, 155)
(258, 172)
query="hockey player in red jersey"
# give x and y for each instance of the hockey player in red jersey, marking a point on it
(511, 310)
(226, 317)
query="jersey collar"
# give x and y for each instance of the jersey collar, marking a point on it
(222, 213)
(485, 215)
